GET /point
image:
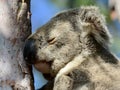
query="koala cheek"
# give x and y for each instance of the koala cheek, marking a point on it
(42, 67)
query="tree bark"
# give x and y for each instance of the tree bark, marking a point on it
(15, 27)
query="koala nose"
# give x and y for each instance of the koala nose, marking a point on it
(29, 52)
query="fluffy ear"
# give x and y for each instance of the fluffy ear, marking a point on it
(94, 24)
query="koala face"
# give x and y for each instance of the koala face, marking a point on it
(52, 46)
(65, 37)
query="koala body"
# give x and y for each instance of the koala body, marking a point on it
(72, 52)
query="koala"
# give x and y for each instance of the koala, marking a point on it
(72, 52)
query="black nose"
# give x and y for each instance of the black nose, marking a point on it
(29, 51)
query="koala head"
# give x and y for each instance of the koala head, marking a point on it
(65, 36)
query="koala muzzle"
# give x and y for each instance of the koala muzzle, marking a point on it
(29, 52)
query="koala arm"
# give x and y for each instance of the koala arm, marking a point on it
(63, 83)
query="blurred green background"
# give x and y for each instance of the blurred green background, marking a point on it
(43, 10)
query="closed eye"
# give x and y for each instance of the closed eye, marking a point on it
(52, 40)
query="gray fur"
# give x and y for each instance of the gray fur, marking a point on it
(76, 43)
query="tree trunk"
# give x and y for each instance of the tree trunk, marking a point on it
(15, 27)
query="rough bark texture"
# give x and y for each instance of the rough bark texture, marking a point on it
(15, 27)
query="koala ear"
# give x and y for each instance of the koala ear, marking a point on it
(94, 24)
